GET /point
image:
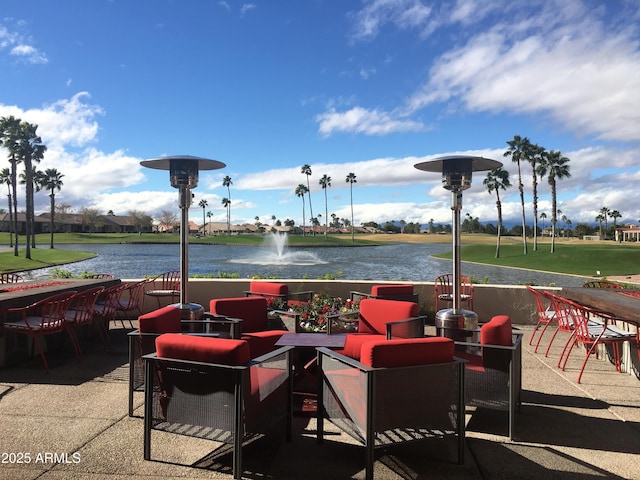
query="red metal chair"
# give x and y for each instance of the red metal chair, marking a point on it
(444, 290)
(11, 278)
(545, 312)
(81, 313)
(593, 328)
(165, 285)
(105, 308)
(45, 317)
(131, 300)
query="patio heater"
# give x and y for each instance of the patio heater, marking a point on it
(183, 174)
(456, 323)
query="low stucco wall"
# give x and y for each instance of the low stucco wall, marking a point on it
(489, 300)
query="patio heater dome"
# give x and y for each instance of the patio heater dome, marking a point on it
(457, 172)
(183, 174)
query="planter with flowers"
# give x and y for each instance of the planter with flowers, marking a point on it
(313, 317)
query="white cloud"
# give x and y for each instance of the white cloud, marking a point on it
(29, 53)
(368, 22)
(20, 47)
(368, 122)
(247, 7)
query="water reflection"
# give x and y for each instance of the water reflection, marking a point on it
(394, 262)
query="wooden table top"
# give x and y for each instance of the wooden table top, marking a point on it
(616, 301)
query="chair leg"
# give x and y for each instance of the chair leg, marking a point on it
(36, 342)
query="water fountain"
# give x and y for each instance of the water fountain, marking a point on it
(279, 255)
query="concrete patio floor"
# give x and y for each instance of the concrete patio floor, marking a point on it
(73, 424)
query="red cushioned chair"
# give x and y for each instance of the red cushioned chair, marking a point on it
(277, 294)
(402, 390)
(211, 388)
(402, 292)
(443, 286)
(494, 375)
(378, 319)
(252, 313)
(150, 326)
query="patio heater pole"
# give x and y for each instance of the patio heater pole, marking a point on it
(457, 323)
(183, 173)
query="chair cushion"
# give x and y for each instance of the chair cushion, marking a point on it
(497, 331)
(269, 288)
(407, 351)
(264, 342)
(252, 311)
(163, 320)
(401, 289)
(375, 313)
(354, 341)
(203, 349)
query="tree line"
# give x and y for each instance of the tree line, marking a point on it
(25, 147)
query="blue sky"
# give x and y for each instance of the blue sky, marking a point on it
(364, 86)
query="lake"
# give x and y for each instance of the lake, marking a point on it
(392, 262)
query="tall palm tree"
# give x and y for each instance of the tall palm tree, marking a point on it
(306, 170)
(519, 149)
(51, 180)
(615, 214)
(351, 179)
(209, 215)
(5, 177)
(556, 167)
(600, 218)
(301, 191)
(496, 180)
(30, 150)
(604, 211)
(204, 204)
(226, 203)
(535, 156)
(325, 182)
(9, 135)
(226, 182)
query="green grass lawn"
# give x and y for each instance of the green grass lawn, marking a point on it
(576, 258)
(40, 258)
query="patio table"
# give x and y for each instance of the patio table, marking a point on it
(304, 362)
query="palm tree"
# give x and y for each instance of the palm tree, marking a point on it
(209, 215)
(9, 133)
(204, 204)
(226, 182)
(496, 180)
(5, 177)
(604, 211)
(51, 180)
(226, 203)
(351, 179)
(535, 156)
(556, 167)
(600, 218)
(519, 150)
(543, 217)
(306, 170)
(301, 191)
(29, 149)
(325, 182)
(615, 214)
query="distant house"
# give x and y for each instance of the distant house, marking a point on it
(75, 223)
